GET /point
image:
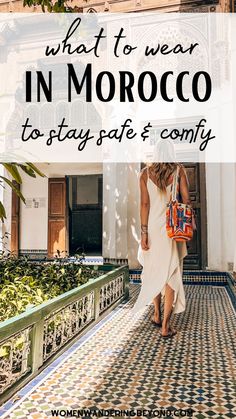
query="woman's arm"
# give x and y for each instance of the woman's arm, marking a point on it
(144, 210)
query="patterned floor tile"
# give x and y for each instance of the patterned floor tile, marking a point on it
(127, 365)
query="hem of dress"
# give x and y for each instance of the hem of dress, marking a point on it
(179, 266)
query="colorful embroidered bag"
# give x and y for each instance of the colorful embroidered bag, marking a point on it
(179, 217)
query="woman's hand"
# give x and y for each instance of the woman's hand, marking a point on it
(144, 241)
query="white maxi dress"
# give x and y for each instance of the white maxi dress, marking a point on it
(163, 262)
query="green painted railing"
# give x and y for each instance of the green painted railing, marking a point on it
(30, 341)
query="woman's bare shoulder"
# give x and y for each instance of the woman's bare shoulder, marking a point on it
(143, 174)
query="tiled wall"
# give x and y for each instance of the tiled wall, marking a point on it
(214, 277)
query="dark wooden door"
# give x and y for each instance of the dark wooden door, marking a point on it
(57, 217)
(197, 250)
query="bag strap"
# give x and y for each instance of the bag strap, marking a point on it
(175, 185)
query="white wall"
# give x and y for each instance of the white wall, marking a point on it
(221, 214)
(1, 199)
(6, 226)
(63, 169)
(34, 221)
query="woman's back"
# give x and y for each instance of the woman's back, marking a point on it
(158, 198)
(162, 258)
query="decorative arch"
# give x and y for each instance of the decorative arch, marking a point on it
(91, 10)
(32, 112)
(173, 34)
(46, 116)
(78, 113)
(62, 111)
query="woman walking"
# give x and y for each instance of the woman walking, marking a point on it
(160, 256)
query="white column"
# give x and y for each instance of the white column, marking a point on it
(228, 214)
(133, 214)
(213, 196)
(234, 230)
(121, 226)
(234, 267)
(221, 214)
(115, 210)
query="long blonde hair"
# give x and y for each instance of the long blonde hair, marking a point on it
(162, 172)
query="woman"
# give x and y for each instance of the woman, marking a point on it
(160, 256)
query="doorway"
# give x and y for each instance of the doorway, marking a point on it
(197, 248)
(85, 214)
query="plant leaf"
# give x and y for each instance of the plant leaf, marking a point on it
(15, 189)
(27, 170)
(12, 169)
(2, 212)
(35, 169)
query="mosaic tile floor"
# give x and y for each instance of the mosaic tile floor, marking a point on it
(126, 365)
